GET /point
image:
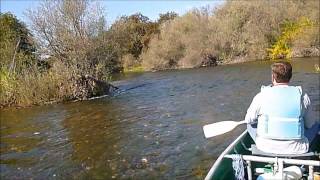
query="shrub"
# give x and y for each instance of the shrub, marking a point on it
(236, 30)
(291, 31)
(179, 44)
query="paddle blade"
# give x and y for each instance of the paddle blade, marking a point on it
(218, 128)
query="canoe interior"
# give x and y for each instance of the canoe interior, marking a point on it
(224, 170)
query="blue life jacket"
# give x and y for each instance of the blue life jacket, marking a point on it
(281, 113)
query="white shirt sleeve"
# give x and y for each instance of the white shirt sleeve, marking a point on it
(309, 120)
(253, 111)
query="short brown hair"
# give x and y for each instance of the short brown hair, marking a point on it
(282, 71)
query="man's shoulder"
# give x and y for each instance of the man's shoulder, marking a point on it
(258, 97)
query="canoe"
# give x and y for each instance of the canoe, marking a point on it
(259, 166)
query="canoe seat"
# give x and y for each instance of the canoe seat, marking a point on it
(256, 151)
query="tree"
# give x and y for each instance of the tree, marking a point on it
(166, 17)
(68, 31)
(17, 46)
(131, 34)
(128, 32)
(65, 27)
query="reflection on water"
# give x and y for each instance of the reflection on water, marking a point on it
(152, 131)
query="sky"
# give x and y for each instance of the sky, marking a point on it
(117, 8)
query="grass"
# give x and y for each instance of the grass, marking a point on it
(134, 69)
(317, 67)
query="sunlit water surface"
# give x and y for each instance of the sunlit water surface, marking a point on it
(152, 130)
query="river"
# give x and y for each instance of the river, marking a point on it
(152, 130)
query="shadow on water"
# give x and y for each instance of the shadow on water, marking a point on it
(153, 130)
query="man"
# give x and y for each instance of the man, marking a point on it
(284, 124)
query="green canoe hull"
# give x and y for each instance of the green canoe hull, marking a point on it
(222, 168)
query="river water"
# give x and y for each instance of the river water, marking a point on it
(152, 130)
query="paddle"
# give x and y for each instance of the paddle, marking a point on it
(215, 129)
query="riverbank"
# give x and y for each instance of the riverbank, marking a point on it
(134, 69)
(300, 54)
(90, 88)
(50, 89)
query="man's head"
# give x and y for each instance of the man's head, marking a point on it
(281, 72)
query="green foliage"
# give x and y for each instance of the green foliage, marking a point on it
(13, 30)
(291, 30)
(104, 58)
(7, 86)
(166, 17)
(17, 47)
(317, 68)
(17, 57)
(31, 87)
(132, 35)
(134, 69)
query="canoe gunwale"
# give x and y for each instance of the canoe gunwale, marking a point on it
(225, 152)
(274, 160)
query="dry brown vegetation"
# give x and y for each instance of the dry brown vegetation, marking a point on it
(236, 31)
